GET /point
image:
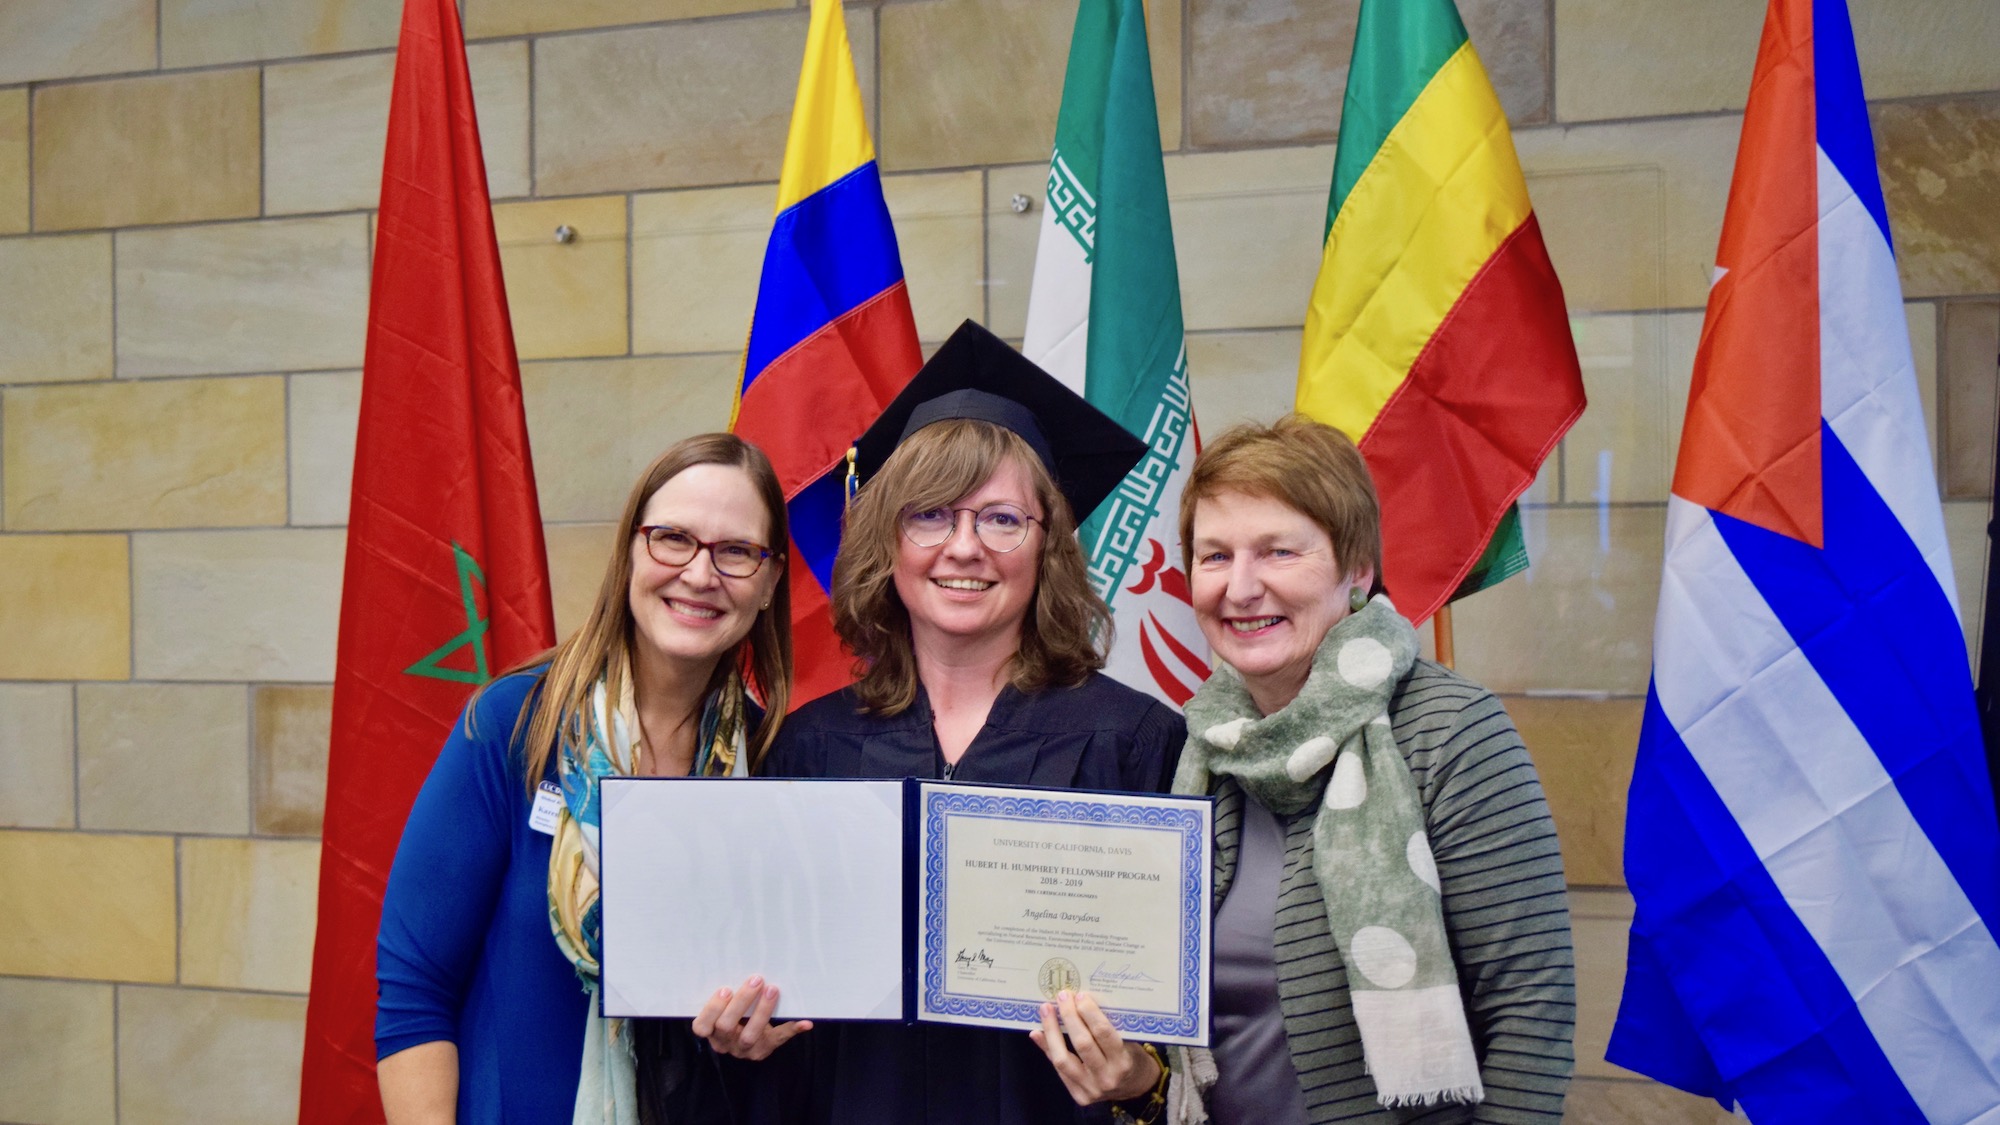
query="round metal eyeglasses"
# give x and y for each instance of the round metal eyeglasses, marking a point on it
(1001, 527)
(735, 558)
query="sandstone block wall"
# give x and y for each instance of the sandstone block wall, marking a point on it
(186, 194)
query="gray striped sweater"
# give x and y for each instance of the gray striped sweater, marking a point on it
(1506, 914)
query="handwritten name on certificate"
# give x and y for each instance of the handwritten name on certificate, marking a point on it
(1026, 893)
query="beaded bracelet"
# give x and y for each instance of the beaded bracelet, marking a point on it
(1152, 1104)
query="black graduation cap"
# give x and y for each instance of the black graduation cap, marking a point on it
(975, 374)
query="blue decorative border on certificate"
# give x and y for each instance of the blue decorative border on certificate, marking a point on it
(1188, 822)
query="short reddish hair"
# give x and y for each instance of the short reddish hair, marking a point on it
(1307, 465)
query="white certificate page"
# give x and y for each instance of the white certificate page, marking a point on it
(1025, 893)
(707, 881)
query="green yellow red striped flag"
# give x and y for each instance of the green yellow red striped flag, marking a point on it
(1437, 336)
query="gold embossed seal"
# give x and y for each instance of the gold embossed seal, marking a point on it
(1058, 974)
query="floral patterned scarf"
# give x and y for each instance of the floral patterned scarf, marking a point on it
(606, 1090)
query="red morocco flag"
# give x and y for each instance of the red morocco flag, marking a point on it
(1437, 337)
(447, 578)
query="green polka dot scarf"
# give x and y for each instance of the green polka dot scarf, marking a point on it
(1332, 747)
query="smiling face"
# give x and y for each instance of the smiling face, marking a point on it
(1267, 588)
(961, 594)
(689, 615)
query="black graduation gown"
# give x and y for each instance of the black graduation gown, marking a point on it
(1099, 735)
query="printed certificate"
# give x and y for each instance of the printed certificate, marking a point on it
(1025, 893)
(907, 900)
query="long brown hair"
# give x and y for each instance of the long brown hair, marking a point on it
(1066, 621)
(560, 707)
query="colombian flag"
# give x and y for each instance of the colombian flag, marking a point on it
(832, 339)
(1437, 336)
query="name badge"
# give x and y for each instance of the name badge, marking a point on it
(548, 807)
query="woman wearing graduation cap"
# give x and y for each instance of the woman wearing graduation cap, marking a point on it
(964, 594)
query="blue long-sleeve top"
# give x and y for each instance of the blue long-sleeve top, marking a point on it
(465, 954)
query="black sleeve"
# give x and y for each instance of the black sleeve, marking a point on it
(779, 1090)
(782, 760)
(680, 1081)
(1156, 750)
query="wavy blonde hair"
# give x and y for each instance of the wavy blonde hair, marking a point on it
(560, 706)
(1067, 622)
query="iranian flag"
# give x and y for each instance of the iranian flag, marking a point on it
(1104, 316)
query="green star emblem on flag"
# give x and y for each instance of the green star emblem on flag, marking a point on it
(473, 636)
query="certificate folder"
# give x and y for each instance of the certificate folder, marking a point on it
(907, 900)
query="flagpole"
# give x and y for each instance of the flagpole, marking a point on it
(1441, 632)
(1987, 691)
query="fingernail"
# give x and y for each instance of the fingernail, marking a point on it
(722, 994)
(756, 982)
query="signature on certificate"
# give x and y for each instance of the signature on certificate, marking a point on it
(965, 960)
(1106, 975)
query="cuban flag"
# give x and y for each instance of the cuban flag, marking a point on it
(1811, 839)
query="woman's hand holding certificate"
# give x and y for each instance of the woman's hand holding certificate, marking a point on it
(1095, 1062)
(904, 900)
(738, 1024)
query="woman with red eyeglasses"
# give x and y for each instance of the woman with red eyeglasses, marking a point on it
(487, 959)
